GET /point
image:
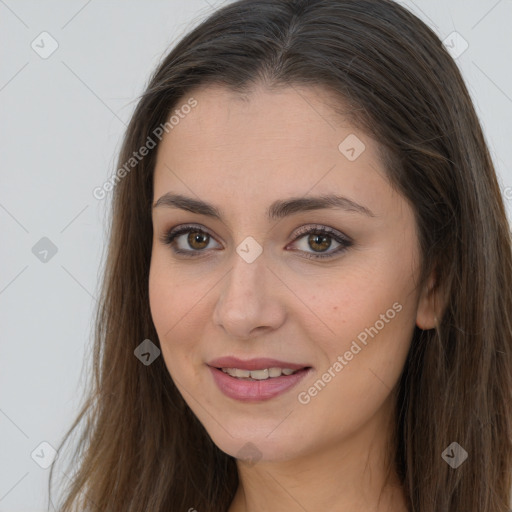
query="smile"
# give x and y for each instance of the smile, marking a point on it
(266, 373)
(256, 385)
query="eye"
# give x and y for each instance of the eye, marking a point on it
(197, 239)
(319, 238)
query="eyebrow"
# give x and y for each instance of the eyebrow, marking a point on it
(277, 210)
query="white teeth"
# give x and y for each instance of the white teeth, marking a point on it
(259, 374)
(266, 373)
(274, 372)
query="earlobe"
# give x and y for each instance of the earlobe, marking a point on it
(429, 305)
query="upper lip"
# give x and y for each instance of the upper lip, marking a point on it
(258, 363)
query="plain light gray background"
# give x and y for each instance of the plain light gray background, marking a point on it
(62, 121)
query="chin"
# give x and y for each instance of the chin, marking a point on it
(251, 445)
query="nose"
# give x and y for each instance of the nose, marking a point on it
(250, 299)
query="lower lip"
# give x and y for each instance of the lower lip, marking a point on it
(256, 390)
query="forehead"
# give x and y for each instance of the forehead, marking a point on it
(287, 117)
(265, 144)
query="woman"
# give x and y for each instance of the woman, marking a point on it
(308, 292)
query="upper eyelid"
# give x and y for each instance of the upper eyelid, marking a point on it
(185, 228)
(305, 229)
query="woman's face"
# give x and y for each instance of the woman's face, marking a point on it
(247, 284)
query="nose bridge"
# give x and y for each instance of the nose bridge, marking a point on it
(245, 282)
(245, 301)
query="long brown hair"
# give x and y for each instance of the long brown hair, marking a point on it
(141, 448)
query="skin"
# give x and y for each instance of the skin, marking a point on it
(241, 153)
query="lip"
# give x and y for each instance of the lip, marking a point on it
(257, 390)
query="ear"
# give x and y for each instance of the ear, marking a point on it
(430, 305)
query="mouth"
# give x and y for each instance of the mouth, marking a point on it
(263, 374)
(256, 379)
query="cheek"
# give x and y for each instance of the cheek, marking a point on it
(370, 312)
(167, 305)
(161, 296)
(177, 312)
(362, 358)
(172, 293)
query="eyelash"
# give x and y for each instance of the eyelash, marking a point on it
(169, 237)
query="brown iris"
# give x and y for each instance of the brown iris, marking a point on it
(197, 237)
(324, 244)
